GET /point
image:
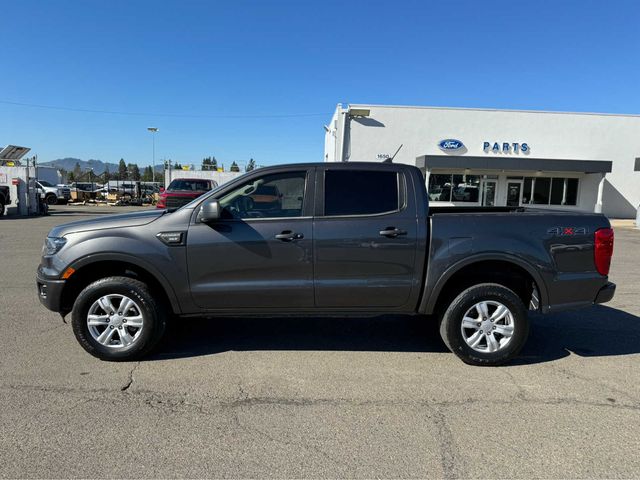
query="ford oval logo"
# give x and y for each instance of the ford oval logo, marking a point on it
(451, 144)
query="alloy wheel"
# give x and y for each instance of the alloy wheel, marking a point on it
(115, 321)
(487, 326)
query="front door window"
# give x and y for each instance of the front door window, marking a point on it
(489, 193)
(514, 193)
(272, 196)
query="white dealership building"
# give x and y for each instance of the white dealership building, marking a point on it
(573, 161)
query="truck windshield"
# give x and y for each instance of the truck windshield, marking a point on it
(190, 185)
(45, 183)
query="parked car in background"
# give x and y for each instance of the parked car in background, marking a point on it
(121, 187)
(149, 189)
(5, 199)
(53, 194)
(337, 239)
(182, 190)
(86, 186)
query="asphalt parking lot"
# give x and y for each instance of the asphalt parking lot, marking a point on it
(333, 398)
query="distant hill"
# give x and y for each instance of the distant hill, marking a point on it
(98, 166)
(69, 164)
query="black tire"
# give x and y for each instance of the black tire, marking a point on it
(51, 199)
(153, 313)
(451, 324)
(1, 207)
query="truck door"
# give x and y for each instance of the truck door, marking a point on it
(365, 235)
(259, 255)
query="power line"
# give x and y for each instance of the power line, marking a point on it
(147, 114)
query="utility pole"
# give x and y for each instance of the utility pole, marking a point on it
(153, 131)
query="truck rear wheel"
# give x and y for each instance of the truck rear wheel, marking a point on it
(485, 325)
(117, 319)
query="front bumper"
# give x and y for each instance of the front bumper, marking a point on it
(606, 293)
(50, 292)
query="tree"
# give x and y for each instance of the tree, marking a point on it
(107, 175)
(147, 176)
(177, 166)
(134, 172)
(210, 163)
(71, 177)
(122, 170)
(77, 171)
(234, 167)
(250, 166)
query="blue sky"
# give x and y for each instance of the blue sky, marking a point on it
(211, 74)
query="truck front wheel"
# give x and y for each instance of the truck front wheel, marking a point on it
(485, 325)
(117, 319)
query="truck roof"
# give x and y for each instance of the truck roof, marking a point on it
(345, 165)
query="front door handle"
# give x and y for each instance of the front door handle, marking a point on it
(392, 232)
(289, 236)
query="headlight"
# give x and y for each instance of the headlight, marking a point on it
(52, 245)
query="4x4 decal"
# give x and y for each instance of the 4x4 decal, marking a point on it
(567, 231)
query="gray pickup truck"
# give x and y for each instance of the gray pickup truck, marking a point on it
(326, 239)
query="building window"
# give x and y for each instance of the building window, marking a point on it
(449, 187)
(571, 188)
(541, 188)
(557, 191)
(550, 191)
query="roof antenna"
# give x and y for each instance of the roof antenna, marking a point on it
(390, 159)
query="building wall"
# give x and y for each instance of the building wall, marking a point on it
(219, 177)
(547, 134)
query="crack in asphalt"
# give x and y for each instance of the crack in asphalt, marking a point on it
(450, 461)
(126, 386)
(157, 399)
(571, 374)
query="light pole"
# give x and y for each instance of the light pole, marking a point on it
(153, 172)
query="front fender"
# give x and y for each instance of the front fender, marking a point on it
(133, 260)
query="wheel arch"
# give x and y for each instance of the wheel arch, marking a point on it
(504, 269)
(93, 267)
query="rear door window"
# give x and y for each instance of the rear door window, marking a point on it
(360, 192)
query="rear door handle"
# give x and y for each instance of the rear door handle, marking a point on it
(392, 232)
(289, 236)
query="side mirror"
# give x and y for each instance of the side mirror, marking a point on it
(210, 211)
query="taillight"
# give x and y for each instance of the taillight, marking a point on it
(603, 250)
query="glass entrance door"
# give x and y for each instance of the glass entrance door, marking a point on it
(489, 192)
(514, 193)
